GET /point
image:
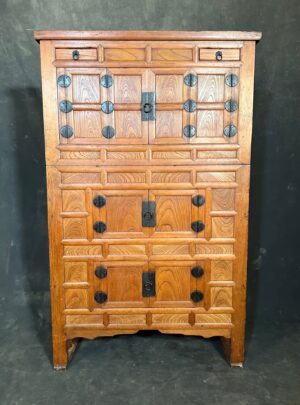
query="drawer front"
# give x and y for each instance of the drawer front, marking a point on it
(219, 54)
(104, 284)
(76, 54)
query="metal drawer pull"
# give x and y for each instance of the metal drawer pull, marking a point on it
(75, 55)
(100, 297)
(219, 55)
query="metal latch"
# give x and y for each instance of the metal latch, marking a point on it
(148, 214)
(148, 281)
(148, 106)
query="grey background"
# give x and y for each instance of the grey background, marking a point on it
(274, 266)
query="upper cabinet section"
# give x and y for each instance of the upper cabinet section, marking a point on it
(192, 92)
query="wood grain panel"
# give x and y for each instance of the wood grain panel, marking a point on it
(126, 250)
(173, 319)
(124, 54)
(128, 125)
(169, 125)
(125, 178)
(212, 318)
(127, 89)
(82, 250)
(215, 249)
(86, 88)
(221, 270)
(127, 319)
(73, 200)
(84, 319)
(125, 155)
(171, 177)
(223, 199)
(164, 54)
(80, 178)
(87, 124)
(209, 124)
(210, 88)
(169, 88)
(222, 227)
(221, 296)
(76, 299)
(75, 228)
(215, 176)
(75, 272)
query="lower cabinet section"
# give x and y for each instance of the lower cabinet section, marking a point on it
(140, 295)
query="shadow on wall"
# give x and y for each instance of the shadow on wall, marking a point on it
(262, 110)
(31, 205)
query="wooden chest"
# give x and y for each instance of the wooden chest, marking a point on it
(148, 139)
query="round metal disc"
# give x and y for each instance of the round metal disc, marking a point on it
(66, 131)
(189, 131)
(65, 106)
(230, 131)
(64, 81)
(108, 132)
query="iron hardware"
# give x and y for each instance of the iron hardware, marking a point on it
(100, 297)
(232, 80)
(65, 106)
(197, 271)
(197, 296)
(64, 81)
(189, 131)
(148, 106)
(198, 200)
(231, 105)
(107, 107)
(230, 131)
(99, 227)
(75, 55)
(99, 201)
(190, 80)
(106, 81)
(198, 226)
(148, 284)
(190, 106)
(101, 272)
(66, 131)
(219, 55)
(108, 132)
(148, 214)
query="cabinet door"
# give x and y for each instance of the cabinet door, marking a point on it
(104, 106)
(121, 213)
(176, 286)
(176, 213)
(194, 106)
(119, 284)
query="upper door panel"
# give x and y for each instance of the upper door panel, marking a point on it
(195, 106)
(101, 106)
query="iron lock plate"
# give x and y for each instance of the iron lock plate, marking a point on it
(148, 214)
(148, 106)
(148, 284)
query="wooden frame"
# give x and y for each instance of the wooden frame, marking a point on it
(148, 160)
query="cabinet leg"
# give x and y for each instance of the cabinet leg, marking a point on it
(63, 351)
(234, 351)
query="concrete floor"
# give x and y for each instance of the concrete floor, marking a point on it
(150, 368)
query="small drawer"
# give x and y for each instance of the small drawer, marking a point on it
(219, 54)
(76, 54)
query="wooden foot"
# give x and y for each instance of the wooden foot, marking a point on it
(234, 351)
(63, 351)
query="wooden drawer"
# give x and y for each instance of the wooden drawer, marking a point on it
(156, 284)
(76, 54)
(219, 54)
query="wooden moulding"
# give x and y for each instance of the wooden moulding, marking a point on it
(145, 35)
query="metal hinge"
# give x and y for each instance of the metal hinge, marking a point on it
(148, 106)
(148, 214)
(148, 284)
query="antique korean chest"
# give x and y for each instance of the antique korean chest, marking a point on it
(147, 139)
